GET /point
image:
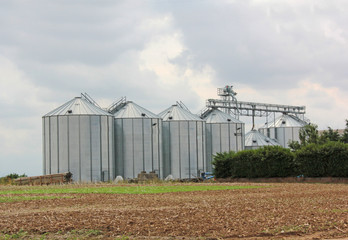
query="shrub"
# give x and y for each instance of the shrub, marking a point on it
(9, 178)
(276, 161)
(222, 164)
(326, 160)
(313, 160)
(243, 164)
(270, 161)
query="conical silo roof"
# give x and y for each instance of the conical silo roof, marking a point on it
(256, 139)
(77, 106)
(217, 116)
(132, 110)
(286, 121)
(176, 113)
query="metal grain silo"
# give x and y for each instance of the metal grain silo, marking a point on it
(78, 137)
(138, 141)
(183, 143)
(223, 134)
(285, 128)
(254, 139)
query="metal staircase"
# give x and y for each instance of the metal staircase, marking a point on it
(117, 105)
(182, 105)
(89, 99)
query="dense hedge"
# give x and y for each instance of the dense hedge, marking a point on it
(313, 160)
(222, 164)
(327, 160)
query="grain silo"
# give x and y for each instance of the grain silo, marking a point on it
(78, 137)
(285, 128)
(223, 134)
(183, 143)
(138, 141)
(254, 139)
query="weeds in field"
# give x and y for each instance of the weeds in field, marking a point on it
(19, 235)
(43, 236)
(339, 210)
(122, 238)
(73, 234)
(84, 233)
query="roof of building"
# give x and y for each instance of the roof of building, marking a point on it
(217, 116)
(175, 113)
(77, 106)
(133, 110)
(255, 138)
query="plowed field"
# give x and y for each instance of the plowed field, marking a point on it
(276, 211)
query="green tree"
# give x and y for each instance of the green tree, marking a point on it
(344, 137)
(329, 135)
(309, 134)
(15, 175)
(294, 145)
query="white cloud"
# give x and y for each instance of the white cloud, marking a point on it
(20, 127)
(159, 57)
(325, 106)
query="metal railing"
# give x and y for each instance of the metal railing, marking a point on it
(118, 104)
(89, 99)
(182, 105)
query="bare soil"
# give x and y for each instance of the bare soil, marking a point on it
(280, 211)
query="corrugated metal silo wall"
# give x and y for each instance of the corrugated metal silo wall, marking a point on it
(241, 144)
(184, 148)
(296, 133)
(81, 144)
(138, 146)
(223, 137)
(263, 131)
(282, 134)
(251, 147)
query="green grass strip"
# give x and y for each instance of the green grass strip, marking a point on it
(125, 189)
(11, 198)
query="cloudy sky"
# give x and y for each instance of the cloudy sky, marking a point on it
(156, 52)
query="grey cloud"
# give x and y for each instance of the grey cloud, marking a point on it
(61, 31)
(263, 45)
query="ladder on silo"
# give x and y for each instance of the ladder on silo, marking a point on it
(182, 105)
(117, 105)
(89, 99)
(204, 112)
